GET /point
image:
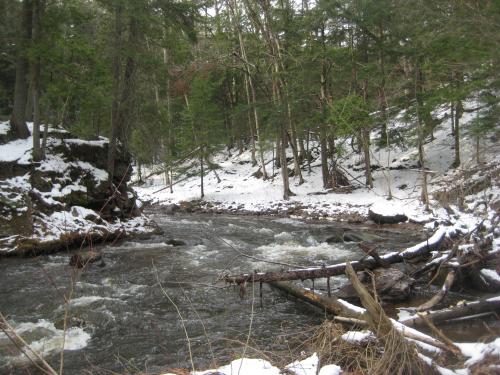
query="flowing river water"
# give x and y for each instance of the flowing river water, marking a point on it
(125, 315)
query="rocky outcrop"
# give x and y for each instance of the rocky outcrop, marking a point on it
(65, 195)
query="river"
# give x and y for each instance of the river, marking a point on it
(126, 315)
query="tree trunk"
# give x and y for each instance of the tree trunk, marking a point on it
(365, 136)
(323, 104)
(423, 248)
(458, 114)
(329, 304)
(420, 131)
(452, 118)
(115, 106)
(202, 190)
(250, 124)
(284, 165)
(293, 144)
(35, 84)
(18, 117)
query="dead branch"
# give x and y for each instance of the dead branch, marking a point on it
(395, 345)
(371, 251)
(451, 345)
(24, 348)
(438, 297)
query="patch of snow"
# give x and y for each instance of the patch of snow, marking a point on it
(4, 127)
(15, 150)
(100, 143)
(330, 370)
(358, 337)
(352, 307)
(433, 240)
(308, 366)
(387, 208)
(477, 351)
(244, 366)
(490, 274)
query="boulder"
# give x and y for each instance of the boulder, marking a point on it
(360, 236)
(174, 242)
(386, 213)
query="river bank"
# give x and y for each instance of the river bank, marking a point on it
(64, 200)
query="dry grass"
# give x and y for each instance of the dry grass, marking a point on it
(392, 356)
(488, 366)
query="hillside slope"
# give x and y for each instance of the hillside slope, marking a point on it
(469, 193)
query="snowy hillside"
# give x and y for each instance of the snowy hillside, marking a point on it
(395, 167)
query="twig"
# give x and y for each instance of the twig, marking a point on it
(8, 330)
(249, 328)
(202, 324)
(179, 314)
(451, 345)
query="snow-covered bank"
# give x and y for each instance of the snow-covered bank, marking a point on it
(468, 193)
(64, 199)
(474, 353)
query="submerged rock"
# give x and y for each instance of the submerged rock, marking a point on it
(174, 242)
(82, 259)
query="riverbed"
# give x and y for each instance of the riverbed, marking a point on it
(134, 311)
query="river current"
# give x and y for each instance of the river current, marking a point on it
(133, 313)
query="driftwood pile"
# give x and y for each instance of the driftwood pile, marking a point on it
(446, 257)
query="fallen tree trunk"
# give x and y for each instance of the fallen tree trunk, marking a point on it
(423, 248)
(463, 310)
(399, 355)
(331, 305)
(347, 313)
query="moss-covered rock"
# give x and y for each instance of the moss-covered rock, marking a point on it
(41, 181)
(15, 214)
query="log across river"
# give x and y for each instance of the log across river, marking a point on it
(120, 319)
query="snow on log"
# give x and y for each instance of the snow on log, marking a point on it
(491, 277)
(330, 304)
(423, 248)
(346, 312)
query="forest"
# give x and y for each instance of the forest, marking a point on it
(291, 187)
(167, 78)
